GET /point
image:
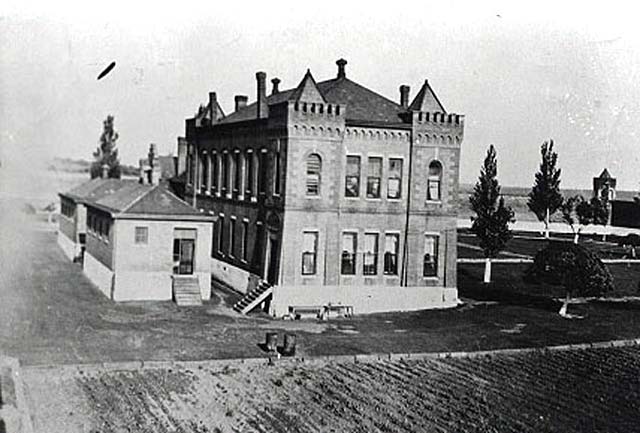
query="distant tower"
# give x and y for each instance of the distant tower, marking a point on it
(604, 186)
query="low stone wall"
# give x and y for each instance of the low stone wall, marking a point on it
(364, 299)
(98, 273)
(234, 277)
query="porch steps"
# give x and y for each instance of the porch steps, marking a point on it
(254, 298)
(186, 291)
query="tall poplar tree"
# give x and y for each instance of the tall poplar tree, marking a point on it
(545, 198)
(491, 223)
(106, 153)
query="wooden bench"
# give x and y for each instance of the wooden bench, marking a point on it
(340, 310)
(296, 312)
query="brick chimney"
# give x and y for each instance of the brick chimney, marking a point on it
(276, 83)
(213, 107)
(404, 95)
(241, 101)
(181, 165)
(341, 68)
(261, 105)
(154, 166)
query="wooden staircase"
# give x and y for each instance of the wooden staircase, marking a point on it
(186, 291)
(254, 298)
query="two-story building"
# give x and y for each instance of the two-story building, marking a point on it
(331, 193)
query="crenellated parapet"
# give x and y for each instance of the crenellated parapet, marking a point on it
(437, 127)
(309, 116)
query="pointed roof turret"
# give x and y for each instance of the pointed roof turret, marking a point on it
(426, 100)
(307, 90)
(605, 174)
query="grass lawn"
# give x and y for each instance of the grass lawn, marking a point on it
(509, 277)
(530, 243)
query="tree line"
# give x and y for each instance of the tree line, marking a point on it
(492, 216)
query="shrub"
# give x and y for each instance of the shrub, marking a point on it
(579, 270)
(632, 240)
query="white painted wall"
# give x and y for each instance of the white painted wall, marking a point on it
(143, 272)
(68, 246)
(98, 273)
(364, 299)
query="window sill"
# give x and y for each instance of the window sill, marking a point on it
(374, 198)
(433, 201)
(313, 197)
(434, 278)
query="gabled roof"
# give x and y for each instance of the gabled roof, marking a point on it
(205, 112)
(426, 100)
(362, 104)
(307, 90)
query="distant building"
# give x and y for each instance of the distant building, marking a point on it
(604, 186)
(329, 193)
(157, 167)
(137, 241)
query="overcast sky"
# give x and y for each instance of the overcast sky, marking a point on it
(521, 75)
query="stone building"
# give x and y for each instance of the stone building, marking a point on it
(329, 194)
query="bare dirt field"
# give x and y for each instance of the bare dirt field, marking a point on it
(561, 391)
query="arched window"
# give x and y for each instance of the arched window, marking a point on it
(434, 181)
(314, 167)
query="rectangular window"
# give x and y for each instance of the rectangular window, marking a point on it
(394, 181)
(249, 174)
(276, 176)
(215, 172)
(262, 172)
(374, 174)
(142, 235)
(220, 234)
(245, 239)
(352, 178)
(309, 252)
(370, 256)
(225, 172)
(391, 243)
(433, 192)
(430, 266)
(349, 248)
(237, 173)
(204, 163)
(232, 236)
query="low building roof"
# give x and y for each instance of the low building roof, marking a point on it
(133, 200)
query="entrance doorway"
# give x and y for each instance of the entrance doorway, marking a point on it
(272, 262)
(184, 246)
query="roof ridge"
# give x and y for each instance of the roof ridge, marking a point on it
(136, 200)
(355, 83)
(168, 191)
